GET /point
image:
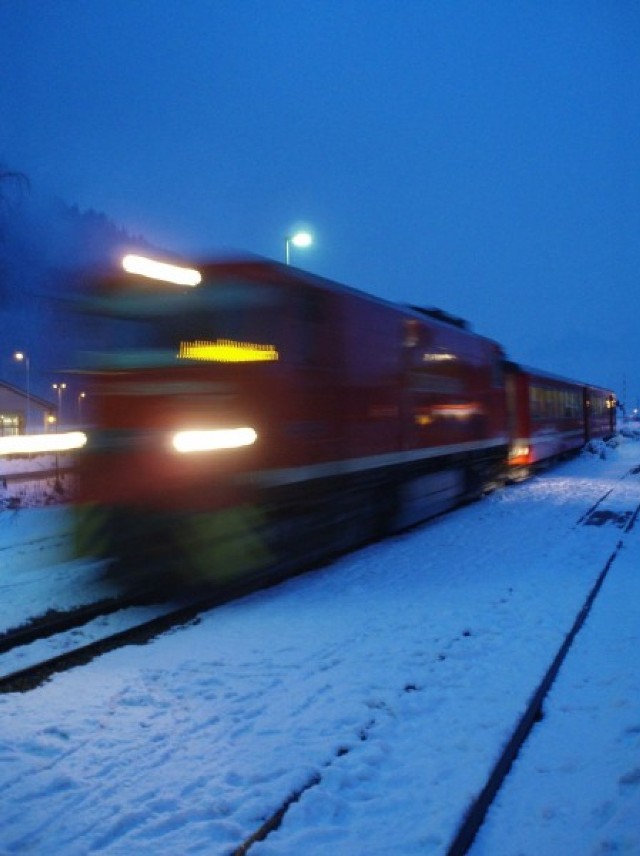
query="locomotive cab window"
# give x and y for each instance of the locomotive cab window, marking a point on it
(229, 320)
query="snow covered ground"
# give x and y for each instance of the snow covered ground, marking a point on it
(52, 490)
(379, 689)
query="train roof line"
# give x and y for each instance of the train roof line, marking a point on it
(442, 315)
(291, 272)
(238, 260)
(551, 376)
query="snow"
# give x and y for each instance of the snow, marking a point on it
(377, 692)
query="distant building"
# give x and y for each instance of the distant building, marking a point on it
(20, 412)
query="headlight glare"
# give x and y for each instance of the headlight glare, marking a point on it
(213, 439)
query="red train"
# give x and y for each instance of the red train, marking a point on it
(550, 416)
(250, 415)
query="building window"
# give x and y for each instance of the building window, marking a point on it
(9, 424)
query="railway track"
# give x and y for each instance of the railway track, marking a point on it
(610, 509)
(598, 515)
(51, 647)
(144, 621)
(55, 622)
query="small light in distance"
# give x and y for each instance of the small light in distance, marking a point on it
(213, 440)
(31, 444)
(161, 270)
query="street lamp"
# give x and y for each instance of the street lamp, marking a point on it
(59, 387)
(21, 357)
(300, 239)
(81, 397)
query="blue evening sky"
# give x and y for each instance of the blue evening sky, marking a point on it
(479, 156)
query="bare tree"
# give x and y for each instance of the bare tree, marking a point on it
(12, 186)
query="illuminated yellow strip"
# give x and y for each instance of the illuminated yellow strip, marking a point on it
(227, 351)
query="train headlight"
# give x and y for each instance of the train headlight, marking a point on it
(519, 451)
(162, 271)
(38, 444)
(213, 440)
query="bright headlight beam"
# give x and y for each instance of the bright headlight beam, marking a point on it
(213, 440)
(31, 444)
(163, 271)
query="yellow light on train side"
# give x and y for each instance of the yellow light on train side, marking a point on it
(213, 440)
(227, 351)
(163, 271)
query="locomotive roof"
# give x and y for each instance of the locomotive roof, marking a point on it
(294, 274)
(257, 267)
(543, 375)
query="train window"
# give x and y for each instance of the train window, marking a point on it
(305, 334)
(535, 402)
(497, 374)
(235, 309)
(139, 329)
(548, 403)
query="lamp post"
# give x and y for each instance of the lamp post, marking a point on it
(21, 357)
(59, 387)
(81, 398)
(299, 239)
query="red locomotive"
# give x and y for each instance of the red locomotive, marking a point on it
(248, 415)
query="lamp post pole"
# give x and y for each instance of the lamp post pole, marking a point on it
(59, 387)
(21, 357)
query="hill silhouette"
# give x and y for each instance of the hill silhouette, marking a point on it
(48, 251)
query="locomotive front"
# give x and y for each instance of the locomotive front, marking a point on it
(181, 386)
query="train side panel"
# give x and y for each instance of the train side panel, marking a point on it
(600, 413)
(412, 384)
(425, 398)
(550, 416)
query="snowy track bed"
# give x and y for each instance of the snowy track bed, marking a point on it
(37, 571)
(378, 693)
(25, 666)
(575, 788)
